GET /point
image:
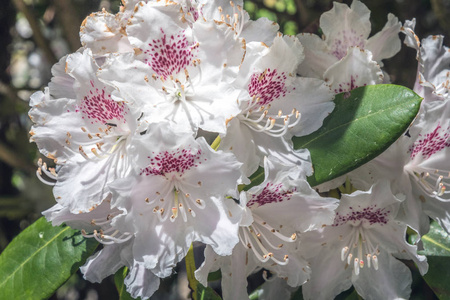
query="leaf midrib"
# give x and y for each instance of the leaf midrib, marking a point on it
(33, 255)
(351, 122)
(435, 243)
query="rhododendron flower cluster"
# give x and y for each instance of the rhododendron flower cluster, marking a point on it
(156, 124)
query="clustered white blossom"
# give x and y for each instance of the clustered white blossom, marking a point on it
(127, 118)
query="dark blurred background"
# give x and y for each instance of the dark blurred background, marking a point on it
(34, 34)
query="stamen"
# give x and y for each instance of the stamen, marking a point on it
(434, 183)
(183, 212)
(356, 266)
(260, 222)
(344, 253)
(375, 262)
(261, 121)
(105, 239)
(39, 176)
(349, 258)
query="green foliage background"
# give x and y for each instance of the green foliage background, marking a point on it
(35, 33)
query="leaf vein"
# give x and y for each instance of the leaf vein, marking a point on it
(20, 267)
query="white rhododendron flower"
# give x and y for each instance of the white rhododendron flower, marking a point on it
(178, 72)
(267, 241)
(159, 121)
(344, 28)
(361, 249)
(175, 195)
(85, 129)
(275, 105)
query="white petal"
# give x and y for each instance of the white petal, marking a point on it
(313, 99)
(235, 270)
(141, 282)
(209, 265)
(356, 69)
(392, 275)
(434, 64)
(261, 30)
(106, 262)
(345, 27)
(317, 57)
(379, 197)
(59, 214)
(147, 21)
(239, 141)
(304, 211)
(411, 39)
(103, 33)
(329, 277)
(61, 85)
(385, 43)
(392, 239)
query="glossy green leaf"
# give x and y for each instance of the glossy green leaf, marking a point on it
(437, 249)
(40, 259)
(121, 288)
(363, 124)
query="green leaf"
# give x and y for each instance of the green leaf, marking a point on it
(216, 275)
(190, 272)
(206, 293)
(363, 124)
(436, 245)
(121, 288)
(40, 259)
